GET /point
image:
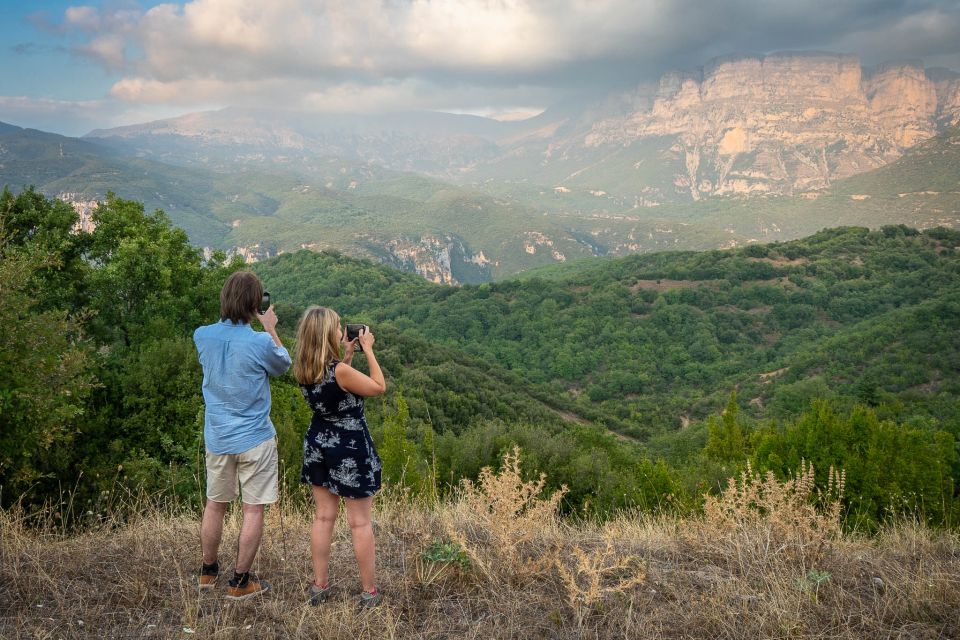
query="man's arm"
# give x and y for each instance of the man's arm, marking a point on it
(268, 321)
(277, 359)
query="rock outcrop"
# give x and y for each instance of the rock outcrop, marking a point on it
(85, 208)
(443, 259)
(782, 123)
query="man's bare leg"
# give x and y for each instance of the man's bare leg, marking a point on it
(250, 533)
(211, 530)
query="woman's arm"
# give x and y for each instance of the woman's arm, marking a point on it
(356, 382)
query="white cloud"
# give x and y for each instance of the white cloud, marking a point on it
(108, 49)
(388, 54)
(85, 18)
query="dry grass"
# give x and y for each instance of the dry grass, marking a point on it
(761, 563)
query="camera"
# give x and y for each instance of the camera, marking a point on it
(264, 303)
(353, 332)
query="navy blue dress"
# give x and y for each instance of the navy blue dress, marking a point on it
(338, 452)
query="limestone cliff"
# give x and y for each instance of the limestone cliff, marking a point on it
(781, 123)
(947, 85)
(444, 259)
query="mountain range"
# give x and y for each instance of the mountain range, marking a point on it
(745, 149)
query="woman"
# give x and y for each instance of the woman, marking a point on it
(339, 459)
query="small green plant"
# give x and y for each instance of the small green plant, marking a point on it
(447, 552)
(439, 559)
(812, 581)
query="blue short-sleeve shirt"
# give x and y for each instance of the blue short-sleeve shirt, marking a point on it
(237, 363)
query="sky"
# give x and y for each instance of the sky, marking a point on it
(71, 67)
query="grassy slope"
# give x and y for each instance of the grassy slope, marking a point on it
(786, 575)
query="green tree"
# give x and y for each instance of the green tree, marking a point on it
(34, 224)
(890, 468)
(148, 281)
(726, 440)
(398, 452)
(44, 375)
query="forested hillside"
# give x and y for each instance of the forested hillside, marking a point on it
(637, 382)
(656, 341)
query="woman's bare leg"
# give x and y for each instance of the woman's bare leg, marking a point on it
(361, 532)
(321, 533)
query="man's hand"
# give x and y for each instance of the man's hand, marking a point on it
(269, 322)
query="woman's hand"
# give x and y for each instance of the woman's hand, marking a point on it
(366, 338)
(349, 348)
(349, 379)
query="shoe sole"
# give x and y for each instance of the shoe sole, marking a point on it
(244, 597)
(372, 603)
(258, 592)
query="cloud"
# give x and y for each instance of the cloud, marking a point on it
(927, 34)
(500, 53)
(84, 18)
(50, 115)
(77, 117)
(31, 48)
(24, 104)
(109, 49)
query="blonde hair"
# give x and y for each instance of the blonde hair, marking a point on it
(317, 344)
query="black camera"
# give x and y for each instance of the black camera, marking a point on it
(264, 302)
(353, 332)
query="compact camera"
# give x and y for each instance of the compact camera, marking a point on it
(353, 332)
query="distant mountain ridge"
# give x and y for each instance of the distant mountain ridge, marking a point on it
(782, 124)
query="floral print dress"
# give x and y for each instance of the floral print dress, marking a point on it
(338, 452)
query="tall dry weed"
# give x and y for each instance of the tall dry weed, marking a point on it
(761, 517)
(596, 574)
(501, 516)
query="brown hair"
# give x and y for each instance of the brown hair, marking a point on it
(317, 344)
(240, 297)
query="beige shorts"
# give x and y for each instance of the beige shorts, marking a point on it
(254, 470)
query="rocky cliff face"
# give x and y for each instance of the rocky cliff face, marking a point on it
(781, 123)
(444, 259)
(947, 85)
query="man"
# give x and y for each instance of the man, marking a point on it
(240, 439)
